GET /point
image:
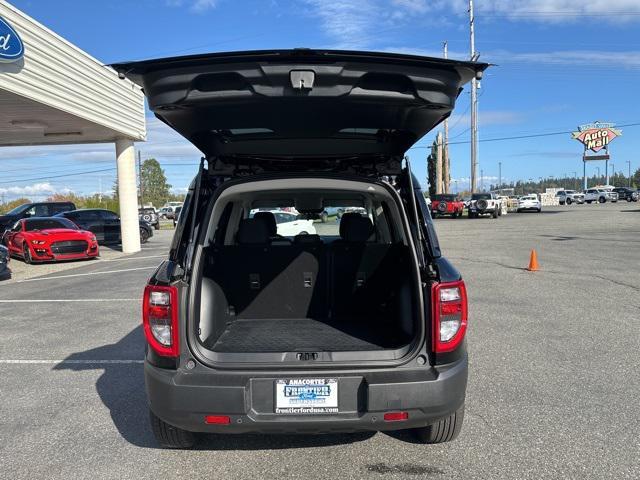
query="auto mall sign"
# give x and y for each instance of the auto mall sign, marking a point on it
(596, 136)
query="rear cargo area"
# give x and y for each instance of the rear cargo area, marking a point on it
(341, 297)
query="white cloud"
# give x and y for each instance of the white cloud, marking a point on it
(35, 189)
(349, 22)
(356, 23)
(196, 6)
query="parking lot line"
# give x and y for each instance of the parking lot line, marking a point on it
(63, 300)
(86, 274)
(82, 362)
(131, 258)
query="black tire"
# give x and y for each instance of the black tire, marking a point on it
(589, 201)
(500, 212)
(539, 210)
(445, 430)
(156, 226)
(518, 211)
(144, 236)
(568, 202)
(324, 217)
(495, 213)
(602, 200)
(169, 436)
(26, 254)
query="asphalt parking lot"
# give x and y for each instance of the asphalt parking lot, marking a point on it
(554, 380)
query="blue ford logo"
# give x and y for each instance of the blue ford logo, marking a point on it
(11, 46)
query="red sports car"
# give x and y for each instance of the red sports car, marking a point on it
(40, 239)
(446, 204)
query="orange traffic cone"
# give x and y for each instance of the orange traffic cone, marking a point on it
(533, 262)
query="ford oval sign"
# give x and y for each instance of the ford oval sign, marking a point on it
(11, 46)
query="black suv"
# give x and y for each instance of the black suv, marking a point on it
(254, 328)
(26, 210)
(104, 224)
(625, 193)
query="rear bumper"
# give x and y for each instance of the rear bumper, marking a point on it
(183, 399)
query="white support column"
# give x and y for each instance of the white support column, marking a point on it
(128, 195)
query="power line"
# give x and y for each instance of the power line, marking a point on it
(57, 176)
(520, 137)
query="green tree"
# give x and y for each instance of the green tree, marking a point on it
(5, 207)
(155, 188)
(635, 179)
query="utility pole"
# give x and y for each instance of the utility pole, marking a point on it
(474, 102)
(499, 174)
(446, 164)
(140, 180)
(629, 164)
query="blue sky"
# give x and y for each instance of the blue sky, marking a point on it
(559, 63)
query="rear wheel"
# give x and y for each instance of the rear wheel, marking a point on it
(589, 201)
(169, 436)
(26, 253)
(495, 213)
(602, 200)
(144, 236)
(568, 201)
(445, 430)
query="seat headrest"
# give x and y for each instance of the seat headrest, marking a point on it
(252, 231)
(355, 228)
(309, 239)
(270, 220)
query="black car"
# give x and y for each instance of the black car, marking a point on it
(150, 216)
(39, 209)
(104, 224)
(625, 193)
(4, 263)
(360, 327)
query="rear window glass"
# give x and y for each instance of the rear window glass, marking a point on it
(47, 223)
(444, 197)
(481, 196)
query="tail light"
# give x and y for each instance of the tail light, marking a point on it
(160, 319)
(449, 302)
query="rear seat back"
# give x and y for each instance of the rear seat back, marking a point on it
(279, 281)
(364, 275)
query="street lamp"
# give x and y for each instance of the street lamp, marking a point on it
(629, 164)
(613, 171)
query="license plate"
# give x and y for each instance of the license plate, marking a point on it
(307, 395)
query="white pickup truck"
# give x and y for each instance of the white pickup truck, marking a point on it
(600, 195)
(485, 204)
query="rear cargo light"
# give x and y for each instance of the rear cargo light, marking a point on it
(449, 302)
(217, 419)
(396, 416)
(160, 319)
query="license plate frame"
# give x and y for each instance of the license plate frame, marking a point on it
(306, 396)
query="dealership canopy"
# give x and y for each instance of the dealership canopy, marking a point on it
(53, 93)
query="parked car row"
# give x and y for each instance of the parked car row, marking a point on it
(598, 194)
(52, 231)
